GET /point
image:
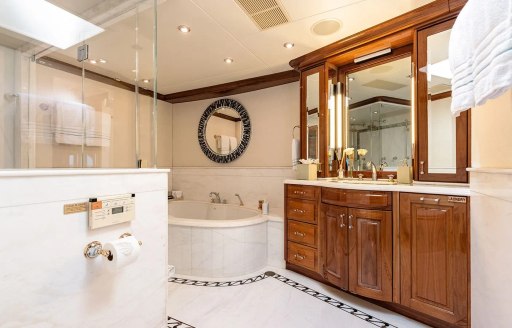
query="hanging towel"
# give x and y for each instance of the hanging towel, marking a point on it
(67, 123)
(295, 152)
(223, 144)
(480, 53)
(233, 143)
(98, 128)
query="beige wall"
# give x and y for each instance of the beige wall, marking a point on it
(273, 113)
(53, 86)
(491, 133)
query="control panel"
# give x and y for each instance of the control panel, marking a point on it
(110, 210)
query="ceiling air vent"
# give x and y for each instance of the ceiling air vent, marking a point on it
(265, 13)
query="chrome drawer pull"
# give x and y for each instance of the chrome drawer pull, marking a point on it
(350, 217)
(300, 234)
(422, 171)
(435, 200)
(374, 195)
(342, 225)
(296, 192)
(299, 257)
(342, 216)
(298, 211)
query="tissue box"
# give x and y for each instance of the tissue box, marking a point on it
(404, 174)
(306, 171)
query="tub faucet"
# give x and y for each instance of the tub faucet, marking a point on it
(240, 199)
(215, 199)
(374, 170)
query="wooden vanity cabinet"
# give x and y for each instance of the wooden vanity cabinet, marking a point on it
(301, 228)
(434, 256)
(357, 242)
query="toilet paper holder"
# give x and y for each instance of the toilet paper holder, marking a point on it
(95, 248)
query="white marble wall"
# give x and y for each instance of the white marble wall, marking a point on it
(491, 228)
(252, 184)
(46, 280)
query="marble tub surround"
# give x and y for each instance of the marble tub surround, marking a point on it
(283, 299)
(491, 224)
(252, 183)
(421, 188)
(46, 280)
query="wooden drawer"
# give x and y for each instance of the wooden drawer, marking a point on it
(302, 192)
(302, 210)
(303, 233)
(303, 256)
(357, 198)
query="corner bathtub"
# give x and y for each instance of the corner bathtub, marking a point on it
(216, 240)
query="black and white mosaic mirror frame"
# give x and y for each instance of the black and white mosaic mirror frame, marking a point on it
(246, 130)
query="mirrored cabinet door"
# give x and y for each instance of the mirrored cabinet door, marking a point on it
(442, 142)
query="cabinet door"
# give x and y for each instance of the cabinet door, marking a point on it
(370, 254)
(434, 256)
(334, 222)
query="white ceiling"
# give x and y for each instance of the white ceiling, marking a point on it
(220, 29)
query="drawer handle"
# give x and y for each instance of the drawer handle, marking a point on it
(299, 257)
(342, 216)
(296, 192)
(300, 234)
(422, 170)
(350, 217)
(375, 195)
(298, 211)
(435, 200)
(342, 225)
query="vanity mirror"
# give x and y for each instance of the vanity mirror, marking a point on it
(378, 115)
(224, 130)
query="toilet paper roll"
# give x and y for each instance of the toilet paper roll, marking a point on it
(124, 252)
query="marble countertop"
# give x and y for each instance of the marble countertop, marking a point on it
(61, 172)
(417, 187)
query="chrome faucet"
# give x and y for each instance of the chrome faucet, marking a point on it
(215, 199)
(240, 199)
(374, 170)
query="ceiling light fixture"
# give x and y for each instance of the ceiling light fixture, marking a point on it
(93, 61)
(288, 45)
(145, 81)
(228, 60)
(103, 61)
(46, 26)
(372, 55)
(351, 79)
(184, 29)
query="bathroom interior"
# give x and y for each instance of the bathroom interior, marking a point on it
(246, 163)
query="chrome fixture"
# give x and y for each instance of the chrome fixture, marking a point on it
(374, 170)
(215, 199)
(240, 199)
(95, 248)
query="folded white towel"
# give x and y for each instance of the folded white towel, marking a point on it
(481, 53)
(233, 143)
(67, 123)
(223, 144)
(295, 153)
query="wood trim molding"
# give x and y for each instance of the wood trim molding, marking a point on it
(391, 100)
(232, 88)
(438, 9)
(75, 70)
(227, 117)
(439, 96)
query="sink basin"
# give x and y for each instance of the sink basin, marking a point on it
(378, 182)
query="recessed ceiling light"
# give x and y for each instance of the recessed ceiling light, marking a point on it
(93, 61)
(184, 29)
(103, 61)
(228, 60)
(145, 81)
(351, 79)
(375, 112)
(288, 45)
(326, 26)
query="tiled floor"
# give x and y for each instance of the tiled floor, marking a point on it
(281, 300)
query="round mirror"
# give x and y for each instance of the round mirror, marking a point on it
(224, 130)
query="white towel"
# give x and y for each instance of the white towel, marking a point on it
(233, 143)
(98, 128)
(295, 152)
(67, 123)
(223, 145)
(481, 53)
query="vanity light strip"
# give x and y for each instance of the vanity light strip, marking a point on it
(269, 274)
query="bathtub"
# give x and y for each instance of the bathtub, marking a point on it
(216, 240)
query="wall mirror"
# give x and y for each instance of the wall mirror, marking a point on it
(378, 114)
(312, 110)
(224, 130)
